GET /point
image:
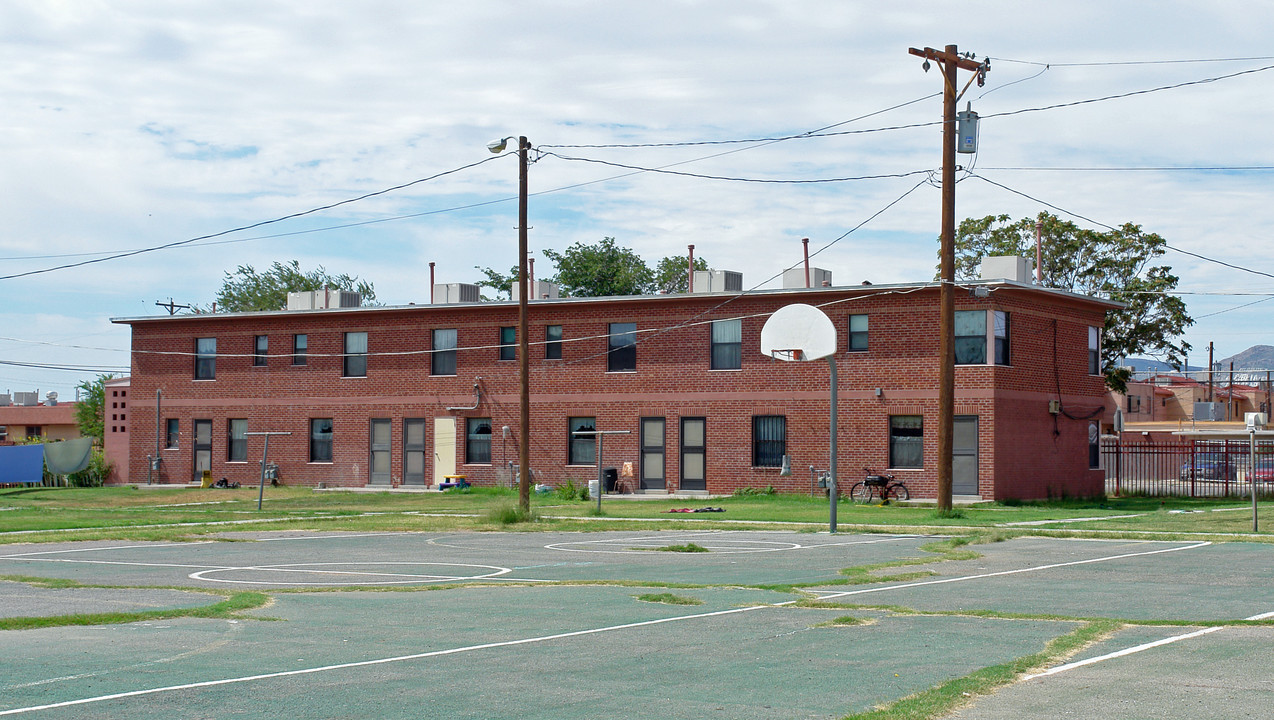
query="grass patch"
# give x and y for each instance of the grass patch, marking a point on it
(668, 599)
(231, 607)
(844, 621)
(506, 513)
(687, 548)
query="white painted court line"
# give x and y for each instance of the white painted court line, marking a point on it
(383, 661)
(1138, 648)
(1001, 573)
(546, 638)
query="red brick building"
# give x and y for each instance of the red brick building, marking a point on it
(409, 395)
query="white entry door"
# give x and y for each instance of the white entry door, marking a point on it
(444, 448)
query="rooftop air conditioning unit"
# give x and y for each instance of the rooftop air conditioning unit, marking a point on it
(6, 400)
(1006, 267)
(795, 277)
(451, 293)
(26, 399)
(323, 299)
(707, 281)
(542, 290)
(51, 399)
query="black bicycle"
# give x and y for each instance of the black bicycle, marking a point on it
(881, 486)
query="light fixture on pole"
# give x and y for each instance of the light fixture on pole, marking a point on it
(524, 368)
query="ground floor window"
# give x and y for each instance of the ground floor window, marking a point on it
(321, 440)
(583, 448)
(238, 444)
(906, 441)
(477, 445)
(769, 440)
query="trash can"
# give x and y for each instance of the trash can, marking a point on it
(610, 477)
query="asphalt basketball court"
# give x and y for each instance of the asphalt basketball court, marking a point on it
(539, 625)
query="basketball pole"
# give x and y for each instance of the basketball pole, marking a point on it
(832, 488)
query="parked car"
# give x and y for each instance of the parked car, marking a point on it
(1264, 470)
(1208, 466)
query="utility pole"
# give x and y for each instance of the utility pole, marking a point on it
(950, 62)
(524, 347)
(172, 306)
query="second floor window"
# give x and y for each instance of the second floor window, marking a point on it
(1094, 351)
(508, 343)
(621, 355)
(553, 342)
(300, 349)
(205, 358)
(260, 350)
(857, 333)
(974, 336)
(355, 364)
(443, 359)
(727, 344)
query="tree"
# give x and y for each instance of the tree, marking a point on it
(671, 273)
(502, 284)
(601, 270)
(1117, 264)
(246, 289)
(91, 408)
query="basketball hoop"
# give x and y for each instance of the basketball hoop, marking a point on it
(788, 354)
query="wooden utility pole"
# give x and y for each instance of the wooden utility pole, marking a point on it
(950, 62)
(524, 355)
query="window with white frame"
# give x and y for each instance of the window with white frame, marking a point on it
(355, 364)
(443, 360)
(858, 333)
(237, 447)
(906, 441)
(205, 358)
(582, 448)
(727, 344)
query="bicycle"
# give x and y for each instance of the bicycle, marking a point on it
(881, 485)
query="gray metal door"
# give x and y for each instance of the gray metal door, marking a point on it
(652, 453)
(964, 456)
(414, 430)
(379, 440)
(694, 453)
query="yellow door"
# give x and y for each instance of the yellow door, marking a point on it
(444, 448)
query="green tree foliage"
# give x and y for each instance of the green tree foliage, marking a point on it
(1117, 264)
(90, 411)
(500, 283)
(600, 270)
(246, 289)
(671, 273)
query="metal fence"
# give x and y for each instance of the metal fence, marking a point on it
(1186, 468)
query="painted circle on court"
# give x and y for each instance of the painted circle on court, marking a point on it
(349, 573)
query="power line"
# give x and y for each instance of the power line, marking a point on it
(733, 179)
(1109, 227)
(1133, 62)
(292, 216)
(1160, 168)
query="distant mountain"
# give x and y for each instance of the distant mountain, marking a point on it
(1257, 357)
(1142, 365)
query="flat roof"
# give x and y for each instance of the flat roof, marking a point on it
(993, 285)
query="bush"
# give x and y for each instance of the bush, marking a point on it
(96, 474)
(753, 492)
(570, 491)
(510, 514)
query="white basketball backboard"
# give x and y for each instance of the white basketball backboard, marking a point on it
(798, 332)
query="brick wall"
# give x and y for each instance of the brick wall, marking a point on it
(1024, 451)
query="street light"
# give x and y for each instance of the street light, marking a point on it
(524, 368)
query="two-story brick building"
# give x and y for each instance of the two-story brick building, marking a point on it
(410, 394)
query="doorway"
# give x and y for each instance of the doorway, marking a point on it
(444, 448)
(964, 455)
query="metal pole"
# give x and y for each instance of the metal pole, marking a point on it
(832, 488)
(524, 367)
(1251, 470)
(158, 400)
(265, 456)
(601, 488)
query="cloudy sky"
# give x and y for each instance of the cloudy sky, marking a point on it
(133, 124)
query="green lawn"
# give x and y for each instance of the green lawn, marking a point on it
(51, 514)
